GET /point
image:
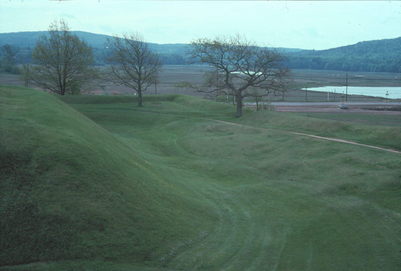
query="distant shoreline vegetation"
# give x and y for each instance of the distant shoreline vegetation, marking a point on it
(367, 56)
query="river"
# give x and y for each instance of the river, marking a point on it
(385, 92)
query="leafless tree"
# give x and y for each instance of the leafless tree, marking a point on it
(133, 64)
(239, 67)
(62, 61)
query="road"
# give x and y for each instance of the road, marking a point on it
(336, 103)
(332, 103)
(334, 107)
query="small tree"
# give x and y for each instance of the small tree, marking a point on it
(133, 64)
(239, 66)
(26, 74)
(62, 61)
(8, 58)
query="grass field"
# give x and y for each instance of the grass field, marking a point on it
(359, 118)
(96, 183)
(373, 129)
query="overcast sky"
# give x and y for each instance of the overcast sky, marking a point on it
(294, 24)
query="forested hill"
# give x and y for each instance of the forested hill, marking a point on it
(25, 41)
(371, 56)
(28, 39)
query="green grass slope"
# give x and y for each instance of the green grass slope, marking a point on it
(371, 129)
(284, 202)
(223, 196)
(70, 190)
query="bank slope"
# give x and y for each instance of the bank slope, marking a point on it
(70, 190)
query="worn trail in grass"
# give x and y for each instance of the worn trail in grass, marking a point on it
(337, 140)
(281, 201)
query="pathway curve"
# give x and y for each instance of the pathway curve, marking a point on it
(315, 137)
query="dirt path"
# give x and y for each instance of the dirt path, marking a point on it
(346, 142)
(315, 137)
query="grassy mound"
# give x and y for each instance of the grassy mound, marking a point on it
(70, 190)
(283, 202)
(171, 187)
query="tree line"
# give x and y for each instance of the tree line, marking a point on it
(369, 56)
(63, 64)
(23, 55)
(346, 63)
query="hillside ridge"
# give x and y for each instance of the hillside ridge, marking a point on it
(372, 56)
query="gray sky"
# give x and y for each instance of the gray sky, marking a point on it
(296, 24)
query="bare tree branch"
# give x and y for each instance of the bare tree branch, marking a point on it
(133, 64)
(62, 61)
(239, 66)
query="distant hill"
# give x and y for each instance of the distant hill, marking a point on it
(176, 53)
(25, 41)
(372, 56)
(28, 39)
(20, 39)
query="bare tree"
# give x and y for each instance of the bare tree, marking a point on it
(133, 64)
(62, 61)
(239, 67)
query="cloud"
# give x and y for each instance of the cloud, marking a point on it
(300, 24)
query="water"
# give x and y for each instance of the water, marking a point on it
(392, 92)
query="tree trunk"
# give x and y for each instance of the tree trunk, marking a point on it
(140, 98)
(239, 106)
(257, 103)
